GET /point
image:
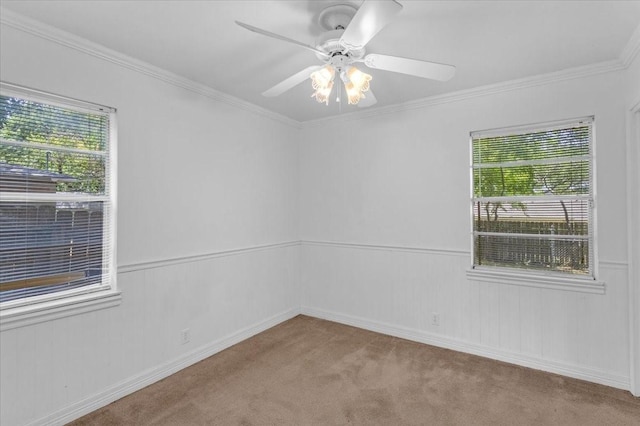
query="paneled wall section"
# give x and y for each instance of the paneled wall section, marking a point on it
(385, 225)
(226, 228)
(207, 236)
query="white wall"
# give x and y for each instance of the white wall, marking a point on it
(383, 213)
(633, 192)
(385, 228)
(196, 177)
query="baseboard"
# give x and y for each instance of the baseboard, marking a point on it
(569, 370)
(155, 374)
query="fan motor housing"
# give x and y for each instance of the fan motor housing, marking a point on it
(330, 42)
(335, 19)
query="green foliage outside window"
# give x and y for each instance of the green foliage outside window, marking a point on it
(531, 199)
(60, 140)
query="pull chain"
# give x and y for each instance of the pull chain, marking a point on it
(338, 96)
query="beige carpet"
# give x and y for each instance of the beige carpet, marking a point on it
(307, 371)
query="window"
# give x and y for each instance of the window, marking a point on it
(533, 199)
(56, 197)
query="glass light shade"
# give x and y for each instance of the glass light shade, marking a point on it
(322, 93)
(355, 83)
(322, 83)
(353, 94)
(359, 79)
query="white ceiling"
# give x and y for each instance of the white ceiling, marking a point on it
(488, 41)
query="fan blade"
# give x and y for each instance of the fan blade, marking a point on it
(424, 69)
(368, 21)
(283, 38)
(291, 82)
(368, 100)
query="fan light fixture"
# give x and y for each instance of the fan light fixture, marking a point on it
(356, 83)
(347, 32)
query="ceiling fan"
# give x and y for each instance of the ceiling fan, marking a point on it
(348, 30)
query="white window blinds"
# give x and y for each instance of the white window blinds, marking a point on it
(532, 203)
(55, 196)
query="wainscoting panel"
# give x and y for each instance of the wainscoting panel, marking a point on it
(74, 365)
(400, 290)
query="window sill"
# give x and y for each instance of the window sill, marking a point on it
(46, 311)
(555, 282)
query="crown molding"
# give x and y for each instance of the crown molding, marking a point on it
(491, 89)
(47, 32)
(63, 38)
(631, 49)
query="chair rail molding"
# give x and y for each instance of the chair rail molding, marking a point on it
(139, 266)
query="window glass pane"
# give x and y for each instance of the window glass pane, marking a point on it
(572, 141)
(559, 217)
(532, 199)
(38, 170)
(542, 254)
(24, 120)
(49, 244)
(55, 206)
(564, 178)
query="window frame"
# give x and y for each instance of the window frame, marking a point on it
(530, 277)
(40, 308)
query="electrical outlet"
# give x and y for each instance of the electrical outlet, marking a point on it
(185, 336)
(435, 319)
